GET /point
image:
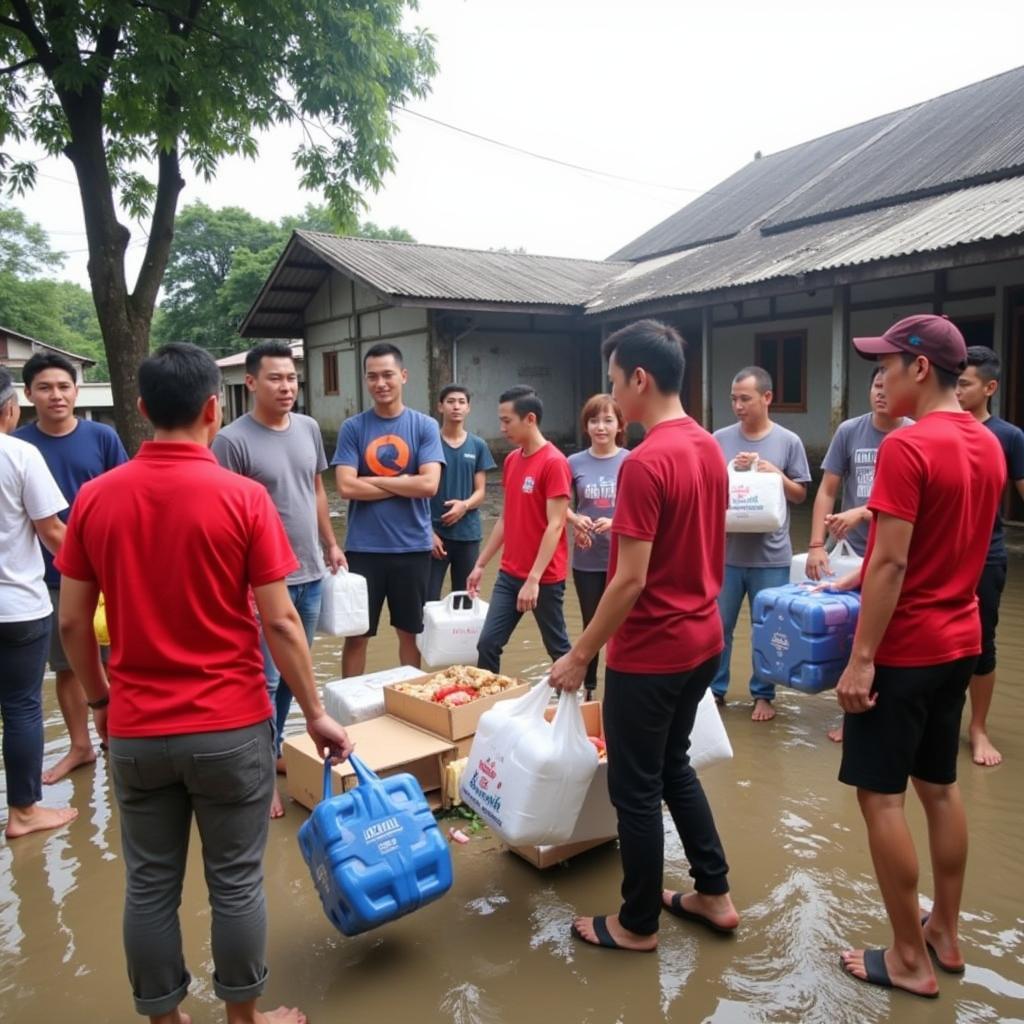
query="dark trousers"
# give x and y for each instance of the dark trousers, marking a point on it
(23, 650)
(461, 558)
(647, 722)
(589, 588)
(503, 617)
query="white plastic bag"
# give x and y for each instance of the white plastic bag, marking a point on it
(451, 629)
(709, 742)
(344, 605)
(842, 559)
(527, 777)
(757, 502)
(360, 698)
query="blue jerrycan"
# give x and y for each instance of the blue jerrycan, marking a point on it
(803, 639)
(375, 852)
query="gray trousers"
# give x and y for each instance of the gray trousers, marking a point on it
(226, 780)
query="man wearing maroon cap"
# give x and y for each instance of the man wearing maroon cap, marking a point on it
(917, 641)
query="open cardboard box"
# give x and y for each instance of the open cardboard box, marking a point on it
(597, 822)
(451, 723)
(385, 744)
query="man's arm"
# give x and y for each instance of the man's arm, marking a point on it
(50, 530)
(333, 555)
(1019, 484)
(352, 486)
(491, 548)
(883, 581)
(458, 507)
(616, 603)
(282, 629)
(422, 484)
(556, 509)
(78, 600)
(824, 503)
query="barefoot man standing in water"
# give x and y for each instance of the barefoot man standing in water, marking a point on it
(175, 542)
(917, 643)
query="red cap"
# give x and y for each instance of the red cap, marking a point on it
(935, 337)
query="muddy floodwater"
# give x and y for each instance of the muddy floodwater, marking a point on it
(497, 949)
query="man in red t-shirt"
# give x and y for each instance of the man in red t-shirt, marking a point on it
(918, 637)
(530, 530)
(659, 617)
(175, 543)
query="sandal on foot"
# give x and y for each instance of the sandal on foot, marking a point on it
(676, 907)
(941, 964)
(878, 974)
(604, 937)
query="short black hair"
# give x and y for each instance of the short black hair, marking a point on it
(47, 361)
(270, 349)
(383, 348)
(985, 361)
(947, 378)
(652, 346)
(453, 389)
(524, 401)
(876, 369)
(175, 383)
(7, 392)
(762, 378)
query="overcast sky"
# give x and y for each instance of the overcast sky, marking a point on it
(676, 94)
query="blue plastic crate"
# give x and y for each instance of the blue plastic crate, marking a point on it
(803, 639)
(375, 852)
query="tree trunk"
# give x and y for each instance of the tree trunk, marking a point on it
(127, 344)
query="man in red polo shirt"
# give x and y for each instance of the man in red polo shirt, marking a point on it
(175, 543)
(660, 619)
(918, 637)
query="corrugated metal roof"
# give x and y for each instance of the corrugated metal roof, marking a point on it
(238, 359)
(976, 214)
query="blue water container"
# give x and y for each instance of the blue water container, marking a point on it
(803, 639)
(375, 852)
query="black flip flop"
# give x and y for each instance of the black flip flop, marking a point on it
(604, 937)
(941, 964)
(878, 973)
(676, 907)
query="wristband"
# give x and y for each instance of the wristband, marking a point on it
(816, 545)
(96, 705)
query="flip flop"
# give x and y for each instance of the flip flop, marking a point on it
(676, 907)
(604, 937)
(941, 964)
(878, 973)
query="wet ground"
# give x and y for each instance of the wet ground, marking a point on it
(496, 949)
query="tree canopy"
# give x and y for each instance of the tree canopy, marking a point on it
(135, 92)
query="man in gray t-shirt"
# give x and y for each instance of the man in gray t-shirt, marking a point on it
(284, 451)
(754, 561)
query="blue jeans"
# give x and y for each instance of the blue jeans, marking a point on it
(306, 598)
(23, 647)
(503, 617)
(740, 582)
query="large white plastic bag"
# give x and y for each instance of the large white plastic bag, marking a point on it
(344, 605)
(842, 559)
(709, 742)
(527, 777)
(451, 629)
(360, 698)
(757, 502)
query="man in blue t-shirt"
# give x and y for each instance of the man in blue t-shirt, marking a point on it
(975, 387)
(454, 510)
(75, 450)
(388, 461)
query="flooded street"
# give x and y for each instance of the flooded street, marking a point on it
(497, 949)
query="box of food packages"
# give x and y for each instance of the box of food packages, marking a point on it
(385, 744)
(360, 698)
(450, 703)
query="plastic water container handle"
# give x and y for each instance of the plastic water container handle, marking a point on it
(844, 550)
(465, 595)
(363, 774)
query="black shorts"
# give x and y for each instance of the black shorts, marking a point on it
(990, 592)
(401, 579)
(912, 732)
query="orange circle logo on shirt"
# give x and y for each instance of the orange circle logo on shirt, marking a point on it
(387, 455)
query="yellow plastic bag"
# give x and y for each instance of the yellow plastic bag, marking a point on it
(99, 624)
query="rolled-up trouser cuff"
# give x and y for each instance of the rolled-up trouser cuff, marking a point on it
(163, 1004)
(243, 994)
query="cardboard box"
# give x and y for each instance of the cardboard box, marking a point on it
(451, 723)
(545, 857)
(360, 698)
(386, 745)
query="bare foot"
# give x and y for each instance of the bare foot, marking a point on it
(982, 750)
(836, 734)
(176, 1016)
(622, 937)
(281, 770)
(717, 912)
(763, 710)
(282, 1015)
(67, 764)
(944, 948)
(23, 820)
(276, 805)
(919, 980)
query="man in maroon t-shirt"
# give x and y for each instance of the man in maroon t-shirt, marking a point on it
(175, 542)
(659, 616)
(917, 641)
(530, 532)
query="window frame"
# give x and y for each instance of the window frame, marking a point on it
(331, 377)
(778, 405)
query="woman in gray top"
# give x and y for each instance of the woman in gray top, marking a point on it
(595, 474)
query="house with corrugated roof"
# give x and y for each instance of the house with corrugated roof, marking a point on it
(780, 265)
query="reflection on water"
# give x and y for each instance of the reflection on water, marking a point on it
(497, 950)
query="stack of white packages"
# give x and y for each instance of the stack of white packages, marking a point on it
(361, 698)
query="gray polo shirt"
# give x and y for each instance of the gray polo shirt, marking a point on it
(783, 449)
(286, 463)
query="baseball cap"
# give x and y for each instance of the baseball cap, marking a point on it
(935, 337)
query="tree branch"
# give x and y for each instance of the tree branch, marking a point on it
(17, 67)
(26, 24)
(161, 233)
